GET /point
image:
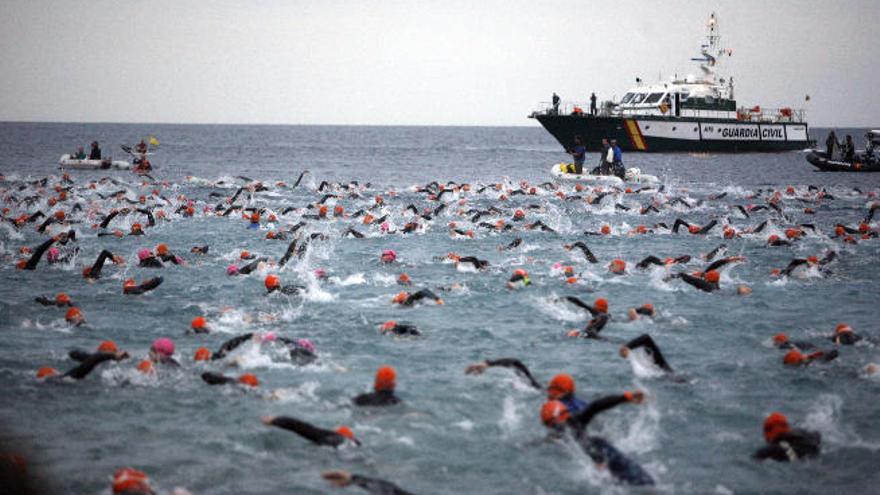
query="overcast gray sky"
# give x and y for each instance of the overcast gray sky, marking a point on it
(412, 62)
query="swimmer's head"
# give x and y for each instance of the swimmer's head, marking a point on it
(601, 305)
(386, 379)
(144, 254)
(74, 315)
(129, 283)
(772, 238)
(388, 256)
(780, 339)
(163, 346)
(617, 266)
(62, 299)
(266, 336)
(131, 482)
(245, 254)
(793, 358)
(693, 229)
(136, 228)
(202, 354)
(249, 379)
(385, 227)
(231, 270)
(387, 326)
(554, 413)
(108, 346)
(345, 432)
(162, 249)
(320, 273)
(606, 229)
(712, 277)
(560, 386)
(322, 211)
(199, 323)
(46, 372)
(842, 328)
(793, 233)
(255, 217)
(775, 425)
(306, 345)
(272, 282)
(519, 214)
(404, 279)
(400, 297)
(743, 290)
(53, 254)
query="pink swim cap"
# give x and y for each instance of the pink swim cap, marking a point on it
(557, 265)
(232, 270)
(320, 273)
(384, 227)
(144, 254)
(389, 255)
(163, 346)
(52, 255)
(306, 344)
(268, 337)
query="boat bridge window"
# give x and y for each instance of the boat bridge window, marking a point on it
(627, 97)
(639, 98)
(654, 97)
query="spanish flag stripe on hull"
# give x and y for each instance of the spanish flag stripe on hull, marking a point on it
(635, 134)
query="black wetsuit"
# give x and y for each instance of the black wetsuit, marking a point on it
(418, 296)
(379, 398)
(791, 446)
(518, 366)
(146, 286)
(846, 338)
(32, 262)
(310, 432)
(95, 270)
(150, 262)
(600, 450)
(88, 364)
(212, 378)
(651, 349)
(247, 269)
(477, 263)
(577, 302)
(698, 282)
(377, 486)
(403, 329)
(584, 249)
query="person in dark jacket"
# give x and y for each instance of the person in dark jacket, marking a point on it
(593, 108)
(95, 153)
(830, 143)
(786, 444)
(849, 149)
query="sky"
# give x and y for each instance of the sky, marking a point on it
(416, 63)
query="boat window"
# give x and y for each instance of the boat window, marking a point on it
(639, 98)
(627, 97)
(654, 97)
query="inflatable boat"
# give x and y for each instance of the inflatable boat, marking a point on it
(862, 162)
(67, 162)
(632, 175)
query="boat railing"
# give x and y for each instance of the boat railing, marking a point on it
(773, 115)
(570, 108)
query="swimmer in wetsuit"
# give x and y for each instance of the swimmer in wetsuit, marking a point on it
(94, 272)
(247, 379)
(371, 485)
(707, 283)
(584, 249)
(383, 394)
(653, 260)
(651, 349)
(60, 300)
(302, 351)
(131, 287)
(785, 444)
(406, 299)
(312, 433)
(86, 366)
(693, 229)
(556, 416)
(561, 386)
(31, 263)
(273, 284)
(398, 328)
(844, 335)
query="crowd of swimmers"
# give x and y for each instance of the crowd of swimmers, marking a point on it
(67, 212)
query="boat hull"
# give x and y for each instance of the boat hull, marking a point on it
(633, 176)
(66, 162)
(672, 134)
(862, 164)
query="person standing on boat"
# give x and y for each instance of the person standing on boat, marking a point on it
(617, 160)
(579, 152)
(830, 143)
(593, 104)
(605, 159)
(849, 149)
(555, 104)
(80, 154)
(95, 154)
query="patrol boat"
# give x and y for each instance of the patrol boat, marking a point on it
(692, 114)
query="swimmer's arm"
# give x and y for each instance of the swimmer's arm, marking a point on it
(79, 355)
(308, 431)
(723, 261)
(696, 282)
(708, 227)
(377, 486)
(38, 253)
(791, 266)
(45, 301)
(583, 418)
(648, 343)
(212, 378)
(650, 260)
(108, 218)
(595, 326)
(518, 366)
(774, 452)
(577, 302)
(230, 345)
(89, 364)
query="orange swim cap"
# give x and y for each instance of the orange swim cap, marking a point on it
(776, 424)
(571, 280)
(46, 372)
(108, 346)
(812, 259)
(385, 379)
(601, 304)
(693, 229)
(400, 297)
(792, 233)
(73, 314)
(270, 235)
(162, 249)
(272, 282)
(789, 190)
(578, 187)
(322, 211)
(59, 215)
(131, 481)
(568, 270)
(617, 266)
(605, 230)
(554, 413)
(863, 227)
(136, 227)
(202, 354)
(773, 238)
(368, 219)
(249, 379)
(244, 254)
(346, 432)
(839, 230)
(255, 217)
(712, 276)
(338, 211)
(520, 272)
(403, 279)
(129, 283)
(145, 366)
(842, 328)
(198, 323)
(793, 358)
(641, 229)
(780, 338)
(62, 299)
(775, 272)
(729, 232)
(560, 386)
(628, 190)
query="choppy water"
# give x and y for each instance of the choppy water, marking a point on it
(454, 433)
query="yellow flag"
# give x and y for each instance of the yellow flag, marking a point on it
(154, 141)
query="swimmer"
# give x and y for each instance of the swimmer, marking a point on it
(646, 309)
(245, 380)
(199, 325)
(375, 486)
(477, 263)
(162, 352)
(808, 262)
(94, 272)
(844, 335)
(600, 305)
(693, 229)
(406, 299)
(707, 283)
(233, 270)
(388, 256)
(404, 279)
(651, 349)
(60, 300)
(199, 250)
(75, 317)
(146, 259)
(163, 254)
(302, 351)
(520, 278)
(319, 436)
(785, 444)
(273, 284)
(32, 262)
(584, 249)
(513, 244)
(383, 394)
(653, 260)
(781, 341)
(561, 386)
(131, 287)
(556, 416)
(85, 367)
(795, 358)
(398, 328)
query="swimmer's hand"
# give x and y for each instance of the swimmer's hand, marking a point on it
(118, 260)
(574, 333)
(121, 355)
(267, 420)
(337, 478)
(476, 369)
(624, 351)
(635, 397)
